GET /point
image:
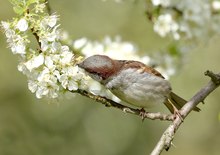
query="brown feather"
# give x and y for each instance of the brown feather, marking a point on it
(144, 68)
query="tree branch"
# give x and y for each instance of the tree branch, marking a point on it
(109, 103)
(167, 137)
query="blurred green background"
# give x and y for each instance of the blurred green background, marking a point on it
(79, 126)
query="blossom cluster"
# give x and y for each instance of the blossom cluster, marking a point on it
(185, 18)
(50, 70)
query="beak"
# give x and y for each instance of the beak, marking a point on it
(80, 64)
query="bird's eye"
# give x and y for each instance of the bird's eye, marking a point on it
(96, 76)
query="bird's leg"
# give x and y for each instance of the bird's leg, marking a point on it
(175, 111)
(142, 114)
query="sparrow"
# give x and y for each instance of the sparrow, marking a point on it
(133, 82)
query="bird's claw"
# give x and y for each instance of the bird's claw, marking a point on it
(142, 114)
(177, 113)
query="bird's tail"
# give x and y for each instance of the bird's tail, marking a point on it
(177, 101)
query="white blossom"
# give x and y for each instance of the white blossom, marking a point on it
(78, 44)
(15, 41)
(22, 68)
(116, 48)
(164, 3)
(216, 5)
(49, 89)
(67, 80)
(48, 75)
(47, 83)
(10, 34)
(190, 19)
(165, 24)
(52, 20)
(32, 86)
(64, 35)
(196, 11)
(42, 91)
(50, 35)
(49, 62)
(70, 78)
(22, 24)
(65, 48)
(18, 48)
(5, 25)
(34, 62)
(39, 8)
(49, 21)
(44, 44)
(66, 57)
(55, 47)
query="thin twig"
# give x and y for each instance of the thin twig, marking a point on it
(48, 7)
(167, 137)
(35, 35)
(110, 103)
(37, 38)
(215, 77)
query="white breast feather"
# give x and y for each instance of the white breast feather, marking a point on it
(139, 89)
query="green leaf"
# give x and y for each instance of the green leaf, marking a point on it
(16, 2)
(19, 6)
(174, 50)
(29, 2)
(18, 10)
